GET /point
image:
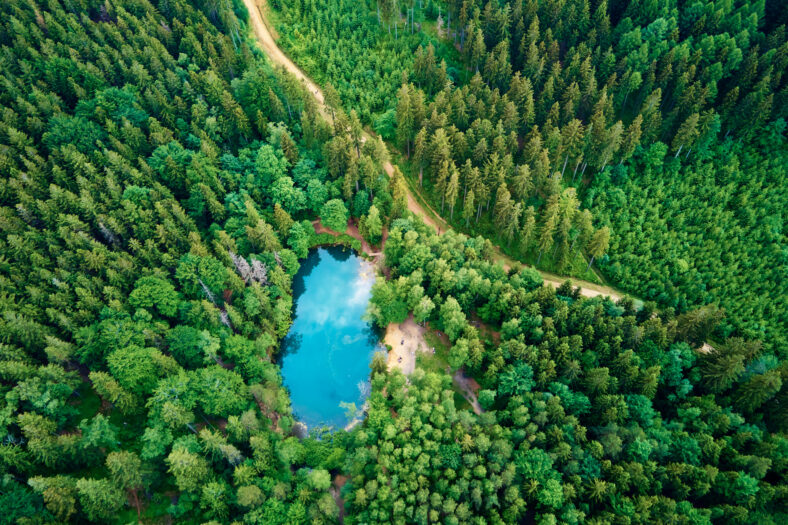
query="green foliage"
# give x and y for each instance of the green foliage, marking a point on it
(189, 469)
(82, 134)
(152, 292)
(100, 498)
(334, 215)
(342, 43)
(670, 221)
(185, 344)
(372, 225)
(135, 368)
(452, 318)
(137, 240)
(582, 398)
(385, 305)
(201, 275)
(146, 269)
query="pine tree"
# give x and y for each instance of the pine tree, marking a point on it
(399, 193)
(405, 121)
(598, 244)
(631, 139)
(546, 236)
(585, 229)
(440, 149)
(513, 223)
(356, 131)
(686, 134)
(477, 50)
(528, 230)
(441, 181)
(572, 138)
(421, 152)
(453, 190)
(502, 212)
(282, 220)
(277, 108)
(522, 184)
(721, 369)
(468, 207)
(289, 148)
(757, 390)
(332, 100)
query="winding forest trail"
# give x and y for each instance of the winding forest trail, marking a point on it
(260, 26)
(266, 40)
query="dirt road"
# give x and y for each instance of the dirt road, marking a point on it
(259, 23)
(267, 42)
(257, 18)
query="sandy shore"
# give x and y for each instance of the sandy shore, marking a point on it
(405, 339)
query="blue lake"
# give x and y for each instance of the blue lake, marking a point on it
(326, 354)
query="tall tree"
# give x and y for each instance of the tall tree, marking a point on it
(686, 134)
(502, 213)
(598, 244)
(468, 207)
(453, 190)
(528, 230)
(405, 118)
(421, 154)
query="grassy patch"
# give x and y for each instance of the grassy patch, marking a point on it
(437, 362)
(460, 402)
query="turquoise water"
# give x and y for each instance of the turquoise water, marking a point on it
(326, 355)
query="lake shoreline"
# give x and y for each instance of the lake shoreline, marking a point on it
(326, 354)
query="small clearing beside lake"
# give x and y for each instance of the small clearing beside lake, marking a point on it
(405, 339)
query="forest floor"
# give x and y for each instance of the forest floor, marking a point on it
(416, 203)
(352, 231)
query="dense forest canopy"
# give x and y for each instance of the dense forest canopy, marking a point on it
(593, 412)
(534, 99)
(160, 179)
(157, 180)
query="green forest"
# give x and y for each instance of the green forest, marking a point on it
(545, 122)
(163, 178)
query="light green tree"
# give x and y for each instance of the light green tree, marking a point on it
(598, 244)
(189, 469)
(334, 215)
(100, 498)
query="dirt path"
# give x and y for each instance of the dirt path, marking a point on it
(405, 339)
(587, 289)
(468, 387)
(335, 490)
(259, 23)
(256, 9)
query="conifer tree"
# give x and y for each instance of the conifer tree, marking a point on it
(598, 244)
(405, 119)
(528, 230)
(453, 190)
(468, 207)
(420, 152)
